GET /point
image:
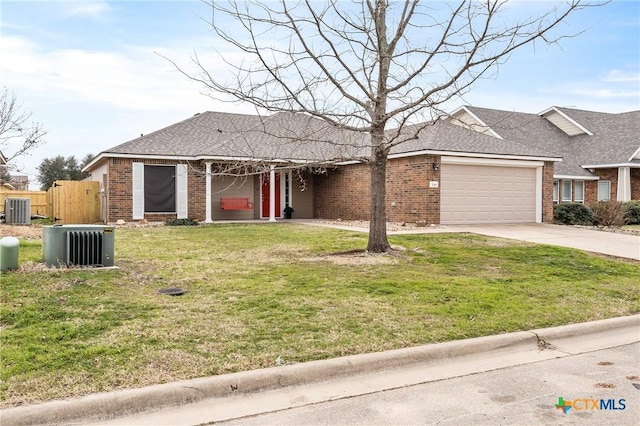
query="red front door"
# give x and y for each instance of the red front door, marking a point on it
(266, 195)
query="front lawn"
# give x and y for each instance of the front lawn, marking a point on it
(261, 295)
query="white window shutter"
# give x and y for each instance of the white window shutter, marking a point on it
(138, 190)
(182, 203)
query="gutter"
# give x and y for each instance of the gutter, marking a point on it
(611, 166)
(198, 158)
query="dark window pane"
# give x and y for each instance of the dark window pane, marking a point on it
(159, 189)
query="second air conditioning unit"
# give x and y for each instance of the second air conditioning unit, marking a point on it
(78, 245)
(17, 211)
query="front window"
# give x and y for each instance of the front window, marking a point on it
(555, 192)
(159, 189)
(579, 191)
(604, 190)
(566, 191)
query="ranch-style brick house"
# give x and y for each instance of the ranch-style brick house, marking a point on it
(473, 167)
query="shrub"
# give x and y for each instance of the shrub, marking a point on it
(572, 214)
(608, 213)
(632, 212)
(181, 222)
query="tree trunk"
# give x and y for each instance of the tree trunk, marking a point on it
(378, 219)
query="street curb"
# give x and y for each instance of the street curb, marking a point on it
(128, 402)
(586, 328)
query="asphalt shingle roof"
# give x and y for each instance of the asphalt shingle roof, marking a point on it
(615, 138)
(445, 136)
(280, 136)
(299, 137)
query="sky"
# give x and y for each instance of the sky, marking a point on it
(94, 74)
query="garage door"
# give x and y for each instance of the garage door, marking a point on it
(487, 194)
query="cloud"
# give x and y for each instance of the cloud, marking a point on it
(132, 78)
(611, 85)
(87, 9)
(90, 100)
(621, 76)
(602, 93)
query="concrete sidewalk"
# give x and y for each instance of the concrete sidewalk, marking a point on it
(248, 393)
(519, 395)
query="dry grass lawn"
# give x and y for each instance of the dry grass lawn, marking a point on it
(270, 294)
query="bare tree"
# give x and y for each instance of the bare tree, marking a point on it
(370, 67)
(17, 134)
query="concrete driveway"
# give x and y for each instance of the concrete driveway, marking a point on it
(610, 243)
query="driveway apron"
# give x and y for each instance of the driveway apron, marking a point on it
(609, 243)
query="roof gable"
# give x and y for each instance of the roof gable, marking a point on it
(563, 122)
(464, 117)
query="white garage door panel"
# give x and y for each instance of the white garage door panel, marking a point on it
(487, 194)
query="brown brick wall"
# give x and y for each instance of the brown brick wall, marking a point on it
(119, 191)
(408, 188)
(344, 193)
(635, 184)
(590, 192)
(197, 186)
(547, 192)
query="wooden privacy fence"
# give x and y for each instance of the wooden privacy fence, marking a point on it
(39, 203)
(72, 201)
(67, 201)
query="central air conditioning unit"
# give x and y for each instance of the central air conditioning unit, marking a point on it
(78, 245)
(17, 211)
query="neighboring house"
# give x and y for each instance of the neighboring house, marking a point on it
(218, 166)
(20, 182)
(5, 178)
(600, 151)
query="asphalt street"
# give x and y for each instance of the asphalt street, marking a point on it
(520, 395)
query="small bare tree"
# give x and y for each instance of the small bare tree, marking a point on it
(369, 67)
(17, 135)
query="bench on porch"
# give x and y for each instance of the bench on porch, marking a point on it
(235, 203)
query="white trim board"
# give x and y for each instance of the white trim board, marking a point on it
(491, 162)
(611, 166)
(571, 177)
